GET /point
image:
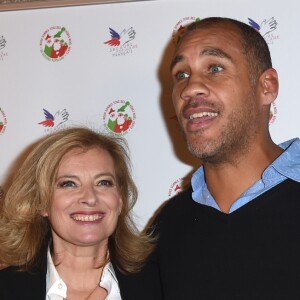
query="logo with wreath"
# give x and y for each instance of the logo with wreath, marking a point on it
(180, 28)
(119, 117)
(55, 43)
(3, 121)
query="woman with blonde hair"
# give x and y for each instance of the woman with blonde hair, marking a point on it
(65, 221)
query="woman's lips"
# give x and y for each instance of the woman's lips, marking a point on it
(90, 217)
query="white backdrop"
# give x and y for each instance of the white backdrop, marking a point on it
(96, 76)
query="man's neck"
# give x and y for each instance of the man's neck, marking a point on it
(229, 180)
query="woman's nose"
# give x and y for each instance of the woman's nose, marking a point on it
(89, 196)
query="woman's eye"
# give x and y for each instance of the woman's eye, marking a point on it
(67, 183)
(216, 69)
(181, 75)
(105, 182)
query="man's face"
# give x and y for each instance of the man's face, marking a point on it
(212, 95)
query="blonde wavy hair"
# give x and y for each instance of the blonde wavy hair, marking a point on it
(25, 233)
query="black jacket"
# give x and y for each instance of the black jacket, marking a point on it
(15, 285)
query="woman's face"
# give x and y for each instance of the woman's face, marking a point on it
(86, 202)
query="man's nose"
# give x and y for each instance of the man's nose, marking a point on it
(194, 87)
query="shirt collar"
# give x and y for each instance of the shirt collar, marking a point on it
(287, 164)
(108, 279)
(55, 286)
(57, 289)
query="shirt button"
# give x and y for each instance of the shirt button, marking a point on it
(60, 286)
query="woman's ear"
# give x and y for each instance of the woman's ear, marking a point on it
(120, 205)
(44, 214)
(269, 86)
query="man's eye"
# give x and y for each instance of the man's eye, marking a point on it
(216, 69)
(67, 183)
(181, 75)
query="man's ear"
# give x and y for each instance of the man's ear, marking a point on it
(269, 86)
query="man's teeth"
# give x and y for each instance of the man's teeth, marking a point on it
(203, 114)
(87, 218)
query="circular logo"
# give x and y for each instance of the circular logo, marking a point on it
(180, 28)
(3, 121)
(178, 186)
(273, 113)
(119, 117)
(55, 43)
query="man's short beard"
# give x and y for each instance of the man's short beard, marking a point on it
(221, 153)
(234, 138)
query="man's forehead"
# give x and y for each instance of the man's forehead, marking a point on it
(215, 43)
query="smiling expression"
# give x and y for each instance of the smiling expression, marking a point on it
(86, 203)
(212, 93)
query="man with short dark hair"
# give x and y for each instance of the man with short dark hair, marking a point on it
(234, 234)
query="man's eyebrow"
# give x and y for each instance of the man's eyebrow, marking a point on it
(175, 60)
(215, 52)
(205, 52)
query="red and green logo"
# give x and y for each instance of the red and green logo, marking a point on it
(55, 43)
(180, 28)
(273, 113)
(119, 117)
(3, 121)
(178, 186)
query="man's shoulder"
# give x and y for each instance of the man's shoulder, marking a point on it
(182, 198)
(176, 204)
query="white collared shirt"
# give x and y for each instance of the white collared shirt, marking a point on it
(57, 289)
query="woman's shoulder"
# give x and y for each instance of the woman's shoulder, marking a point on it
(7, 272)
(12, 275)
(15, 283)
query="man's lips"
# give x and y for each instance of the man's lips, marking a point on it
(199, 117)
(203, 114)
(200, 110)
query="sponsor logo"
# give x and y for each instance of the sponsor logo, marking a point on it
(180, 28)
(122, 43)
(3, 53)
(178, 186)
(54, 122)
(119, 117)
(267, 28)
(3, 121)
(55, 43)
(273, 113)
